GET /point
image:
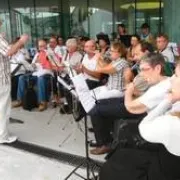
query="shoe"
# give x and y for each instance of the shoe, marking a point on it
(62, 111)
(17, 104)
(100, 150)
(42, 106)
(8, 139)
(91, 130)
(12, 120)
(54, 104)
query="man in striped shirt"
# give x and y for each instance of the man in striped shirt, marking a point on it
(5, 84)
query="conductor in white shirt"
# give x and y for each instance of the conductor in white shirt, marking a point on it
(5, 101)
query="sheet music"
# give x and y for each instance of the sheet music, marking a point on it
(68, 87)
(102, 92)
(85, 97)
(13, 66)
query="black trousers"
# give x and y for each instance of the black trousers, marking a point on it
(93, 84)
(132, 164)
(139, 164)
(105, 113)
(113, 108)
(169, 164)
(102, 129)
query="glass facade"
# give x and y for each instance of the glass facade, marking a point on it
(42, 18)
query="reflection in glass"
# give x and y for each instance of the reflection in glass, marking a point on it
(4, 18)
(125, 14)
(100, 17)
(78, 18)
(22, 19)
(5, 27)
(148, 12)
(47, 18)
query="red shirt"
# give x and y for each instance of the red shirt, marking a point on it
(44, 60)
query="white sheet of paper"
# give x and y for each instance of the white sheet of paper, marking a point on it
(13, 67)
(84, 94)
(102, 92)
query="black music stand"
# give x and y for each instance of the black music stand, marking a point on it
(88, 162)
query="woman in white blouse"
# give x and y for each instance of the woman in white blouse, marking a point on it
(162, 125)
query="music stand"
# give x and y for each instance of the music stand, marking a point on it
(88, 162)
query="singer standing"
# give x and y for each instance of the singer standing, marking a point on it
(6, 50)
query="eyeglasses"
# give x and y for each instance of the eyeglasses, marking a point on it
(159, 41)
(145, 69)
(113, 51)
(52, 41)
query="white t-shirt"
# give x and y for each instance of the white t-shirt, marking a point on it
(90, 64)
(57, 50)
(26, 53)
(61, 50)
(156, 94)
(72, 61)
(168, 55)
(158, 127)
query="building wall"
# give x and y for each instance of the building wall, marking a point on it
(171, 19)
(41, 18)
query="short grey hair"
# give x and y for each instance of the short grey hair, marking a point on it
(154, 59)
(72, 42)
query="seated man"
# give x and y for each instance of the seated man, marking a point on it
(141, 49)
(42, 68)
(90, 63)
(162, 47)
(146, 35)
(19, 66)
